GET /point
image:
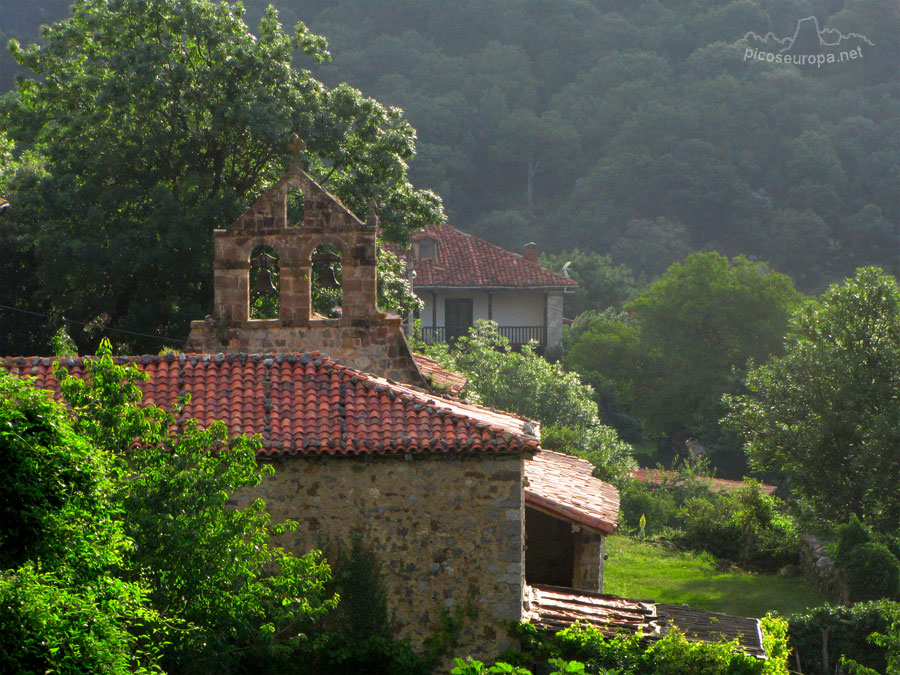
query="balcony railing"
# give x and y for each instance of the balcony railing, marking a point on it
(431, 335)
(517, 335)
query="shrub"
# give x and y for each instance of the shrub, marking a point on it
(671, 655)
(745, 526)
(846, 630)
(849, 536)
(871, 572)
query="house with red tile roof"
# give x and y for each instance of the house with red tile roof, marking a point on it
(459, 502)
(462, 278)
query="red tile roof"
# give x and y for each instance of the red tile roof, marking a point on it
(656, 476)
(564, 486)
(309, 404)
(465, 261)
(557, 608)
(441, 379)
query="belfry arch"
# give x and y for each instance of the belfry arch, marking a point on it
(359, 334)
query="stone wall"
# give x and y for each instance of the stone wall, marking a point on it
(448, 530)
(363, 337)
(590, 551)
(377, 347)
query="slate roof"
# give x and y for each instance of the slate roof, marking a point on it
(564, 487)
(465, 261)
(656, 476)
(308, 404)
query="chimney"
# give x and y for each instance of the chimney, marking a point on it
(532, 252)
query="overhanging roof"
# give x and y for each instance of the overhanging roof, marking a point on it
(564, 487)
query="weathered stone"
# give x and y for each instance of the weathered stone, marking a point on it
(430, 545)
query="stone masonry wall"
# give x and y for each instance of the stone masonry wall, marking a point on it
(363, 337)
(371, 347)
(448, 530)
(589, 562)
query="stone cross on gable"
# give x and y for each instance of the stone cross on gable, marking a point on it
(296, 146)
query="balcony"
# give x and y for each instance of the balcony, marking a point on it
(517, 335)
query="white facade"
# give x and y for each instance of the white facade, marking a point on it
(521, 314)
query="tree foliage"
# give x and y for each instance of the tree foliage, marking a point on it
(527, 384)
(825, 414)
(602, 284)
(673, 352)
(178, 576)
(160, 120)
(63, 605)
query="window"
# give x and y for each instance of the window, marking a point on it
(427, 248)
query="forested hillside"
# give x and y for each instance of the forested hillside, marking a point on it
(637, 129)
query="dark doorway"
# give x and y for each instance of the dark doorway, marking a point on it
(457, 318)
(549, 550)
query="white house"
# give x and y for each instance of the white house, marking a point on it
(462, 278)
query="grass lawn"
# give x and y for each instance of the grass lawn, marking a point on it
(651, 572)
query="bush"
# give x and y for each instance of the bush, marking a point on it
(745, 526)
(846, 630)
(868, 563)
(671, 655)
(871, 572)
(851, 535)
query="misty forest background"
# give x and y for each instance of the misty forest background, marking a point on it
(635, 132)
(634, 129)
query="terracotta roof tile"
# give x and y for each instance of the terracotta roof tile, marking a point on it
(440, 378)
(564, 486)
(465, 261)
(557, 608)
(309, 404)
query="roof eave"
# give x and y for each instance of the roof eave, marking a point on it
(569, 513)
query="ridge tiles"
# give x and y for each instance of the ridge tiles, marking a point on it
(306, 403)
(466, 261)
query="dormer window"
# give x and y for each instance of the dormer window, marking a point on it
(426, 248)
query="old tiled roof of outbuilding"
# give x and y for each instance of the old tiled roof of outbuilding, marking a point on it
(465, 261)
(440, 378)
(555, 608)
(700, 625)
(564, 487)
(304, 404)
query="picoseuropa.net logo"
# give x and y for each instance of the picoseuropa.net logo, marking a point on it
(808, 46)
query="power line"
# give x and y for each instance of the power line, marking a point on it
(94, 325)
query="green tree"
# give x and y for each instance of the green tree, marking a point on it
(825, 414)
(160, 120)
(602, 283)
(685, 334)
(527, 384)
(242, 602)
(63, 607)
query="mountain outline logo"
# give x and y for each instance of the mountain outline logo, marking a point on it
(828, 37)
